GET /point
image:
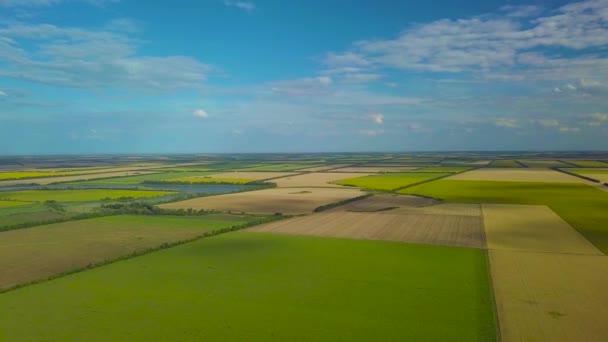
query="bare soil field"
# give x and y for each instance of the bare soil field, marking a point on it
(550, 297)
(315, 179)
(458, 209)
(325, 167)
(532, 228)
(40, 252)
(517, 175)
(269, 201)
(257, 175)
(377, 169)
(82, 177)
(447, 230)
(384, 202)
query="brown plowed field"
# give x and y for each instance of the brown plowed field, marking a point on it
(448, 230)
(383, 202)
(269, 201)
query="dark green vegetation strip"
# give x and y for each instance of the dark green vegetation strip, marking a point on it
(583, 206)
(254, 286)
(577, 175)
(337, 204)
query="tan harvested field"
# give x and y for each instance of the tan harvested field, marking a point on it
(447, 230)
(602, 177)
(40, 252)
(517, 175)
(316, 179)
(84, 177)
(278, 200)
(385, 201)
(377, 169)
(550, 297)
(532, 228)
(257, 175)
(459, 209)
(324, 167)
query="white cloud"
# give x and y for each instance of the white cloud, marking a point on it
(200, 113)
(87, 58)
(378, 118)
(566, 129)
(505, 122)
(3, 93)
(546, 122)
(371, 132)
(244, 5)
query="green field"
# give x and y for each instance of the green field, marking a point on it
(589, 163)
(589, 171)
(583, 206)
(253, 286)
(534, 163)
(390, 181)
(11, 204)
(77, 195)
(504, 163)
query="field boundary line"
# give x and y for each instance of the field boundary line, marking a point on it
(433, 179)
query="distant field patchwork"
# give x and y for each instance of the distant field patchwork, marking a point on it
(77, 195)
(517, 175)
(322, 179)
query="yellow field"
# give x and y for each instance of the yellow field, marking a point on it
(315, 179)
(81, 177)
(385, 201)
(532, 228)
(517, 175)
(447, 230)
(602, 177)
(269, 201)
(550, 297)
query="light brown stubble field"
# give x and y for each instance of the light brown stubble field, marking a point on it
(321, 179)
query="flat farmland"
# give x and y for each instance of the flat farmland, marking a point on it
(459, 209)
(518, 175)
(377, 169)
(269, 201)
(505, 163)
(79, 177)
(40, 252)
(532, 228)
(599, 174)
(412, 227)
(589, 163)
(313, 179)
(445, 169)
(11, 204)
(542, 163)
(254, 286)
(253, 175)
(151, 177)
(581, 205)
(279, 167)
(390, 181)
(78, 195)
(549, 296)
(380, 202)
(324, 167)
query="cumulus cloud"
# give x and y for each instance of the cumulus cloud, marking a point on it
(88, 58)
(567, 129)
(378, 118)
(244, 5)
(507, 45)
(200, 113)
(3, 93)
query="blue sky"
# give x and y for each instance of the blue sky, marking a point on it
(126, 76)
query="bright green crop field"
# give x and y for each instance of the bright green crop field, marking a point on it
(209, 180)
(11, 204)
(390, 181)
(78, 195)
(251, 286)
(583, 206)
(589, 163)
